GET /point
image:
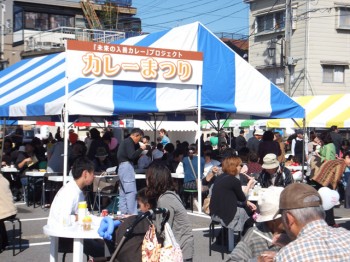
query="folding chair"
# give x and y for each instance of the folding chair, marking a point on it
(52, 182)
(105, 186)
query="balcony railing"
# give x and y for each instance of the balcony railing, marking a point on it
(56, 38)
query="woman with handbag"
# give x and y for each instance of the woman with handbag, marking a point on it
(160, 185)
(190, 170)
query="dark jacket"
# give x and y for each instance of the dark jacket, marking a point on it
(268, 147)
(283, 179)
(227, 191)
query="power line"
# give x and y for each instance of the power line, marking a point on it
(200, 14)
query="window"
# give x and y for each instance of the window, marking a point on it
(344, 18)
(36, 21)
(270, 22)
(275, 75)
(18, 21)
(333, 73)
(44, 21)
(61, 21)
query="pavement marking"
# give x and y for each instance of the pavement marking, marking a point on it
(343, 218)
(196, 214)
(30, 245)
(35, 236)
(20, 203)
(33, 219)
(204, 229)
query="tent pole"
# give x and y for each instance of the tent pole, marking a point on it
(65, 136)
(304, 154)
(199, 150)
(154, 129)
(3, 141)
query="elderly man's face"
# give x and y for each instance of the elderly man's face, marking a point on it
(271, 171)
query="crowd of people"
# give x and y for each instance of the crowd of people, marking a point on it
(287, 212)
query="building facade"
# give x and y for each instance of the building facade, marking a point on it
(34, 27)
(319, 47)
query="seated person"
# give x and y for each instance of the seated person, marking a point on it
(101, 160)
(144, 203)
(228, 201)
(66, 202)
(273, 174)
(253, 243)
(145, 159)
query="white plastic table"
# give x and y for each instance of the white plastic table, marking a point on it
(76, 232)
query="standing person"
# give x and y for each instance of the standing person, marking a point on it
(337, 138)
(95, 144)
(127, 154)
(164, 136)
(278, 138)
(17, 137)
(87, 140)
(345, 180)
(268, 146)
(298, 149)
(214, 140)
(240, 141)
(7, 210)
(303, 219)
(160, 186)
(254, 141)
(327, 152)
(190, 169)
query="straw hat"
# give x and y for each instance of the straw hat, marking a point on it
(270, 161)
(269, 204)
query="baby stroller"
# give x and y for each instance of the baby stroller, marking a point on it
(128, 237)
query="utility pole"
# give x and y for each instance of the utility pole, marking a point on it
(288, 37)
(2, 57)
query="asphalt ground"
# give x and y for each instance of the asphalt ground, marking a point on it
(35, 245)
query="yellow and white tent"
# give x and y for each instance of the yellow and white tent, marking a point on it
(321, 111)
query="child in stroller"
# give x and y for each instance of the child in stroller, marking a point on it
(131, 246)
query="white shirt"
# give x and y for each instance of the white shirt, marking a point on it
(65, 203)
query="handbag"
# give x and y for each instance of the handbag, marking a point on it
(152, 251)
(194, 184)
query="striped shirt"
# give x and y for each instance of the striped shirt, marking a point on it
(317, 242)
(252, 245)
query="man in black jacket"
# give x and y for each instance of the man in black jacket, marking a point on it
(127, 154)
(273, 174)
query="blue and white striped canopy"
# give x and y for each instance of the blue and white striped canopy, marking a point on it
(36, 87)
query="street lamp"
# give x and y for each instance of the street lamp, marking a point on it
(271, 50)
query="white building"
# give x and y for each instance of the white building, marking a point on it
(320, 44)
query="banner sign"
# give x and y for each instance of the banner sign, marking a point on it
(133, 63)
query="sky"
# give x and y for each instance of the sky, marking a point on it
(228, 16)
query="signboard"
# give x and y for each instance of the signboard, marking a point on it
(133, 63)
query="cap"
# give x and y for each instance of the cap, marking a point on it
(259, 132)
(269, 204)
(293, 196)
(270, 161)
